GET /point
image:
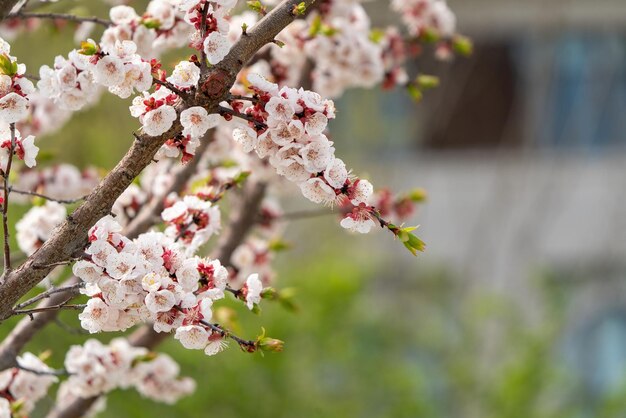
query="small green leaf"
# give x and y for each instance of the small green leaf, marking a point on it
(299, 9)
(462, 45)
(151, 23)
(278, 245)
(415, 92)
(426, 82)
(6, 66)
(256, 6)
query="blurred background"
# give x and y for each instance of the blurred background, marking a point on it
(518, 306)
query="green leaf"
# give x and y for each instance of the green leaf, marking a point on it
(462, 45)
(6, 66)
(299, 9)
(256, 6)
(426, 82)
(414, 92)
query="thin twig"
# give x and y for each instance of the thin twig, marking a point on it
(170, 86)
(69, 328)
(48, 308)
(226, 333)
(226, 111)
(49, 372)
(43, 196)
(204, 62)
(304, 214)
(72, 288)
(243, 98)
(5, 206)
(60, 16)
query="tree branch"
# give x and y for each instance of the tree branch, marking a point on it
(28, 327)
(59, 16)
(71, 236)
(43, 196)
(6, 6)
(69, 290)
(5, 204)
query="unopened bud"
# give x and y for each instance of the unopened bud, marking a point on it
(270, 344)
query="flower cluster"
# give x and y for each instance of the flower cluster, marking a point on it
(14, 87)
(119, 68)
(96, 369)
(195, 121)
(159, 28)
(150, 279)
(344, 55)
(422, 16)
(37, 225)
(24, 388)
(191, 221)
(291, 136)
(211, 26)
(70, 83)
(155, 111)
(61, 181)
(254, 255)
(12, 143)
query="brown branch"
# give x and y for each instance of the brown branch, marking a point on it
(69, 290)
(5, 204)
(43, 196)
(6, 6)
(226, 111)
(171, 87)
(50, 372)
(240, 225)
(71, 236)
(242, 221)
(60, 16)
(47, 308)
(27, 328)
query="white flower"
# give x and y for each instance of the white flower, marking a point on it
(336, 173)
(246, 137)
(188, 276)
(87, 271)
(360, 224)
(13, 108)
(317, 191)
(123, 15)
(193, 337)
(316, 123)
(318, 154)
(216, 344)
(362, 192)
(120, 264)
(97, 315)
(279, 109)
(109, 71)
(100, 252)
(30, 150)
(254, 288)
(185, 74)
(197, 121)
(5, 408)
(160, 301)
(261, 83)
(159, 120)
(174, 212)
(216, 46)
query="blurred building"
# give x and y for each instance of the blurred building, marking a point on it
(523, 151)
